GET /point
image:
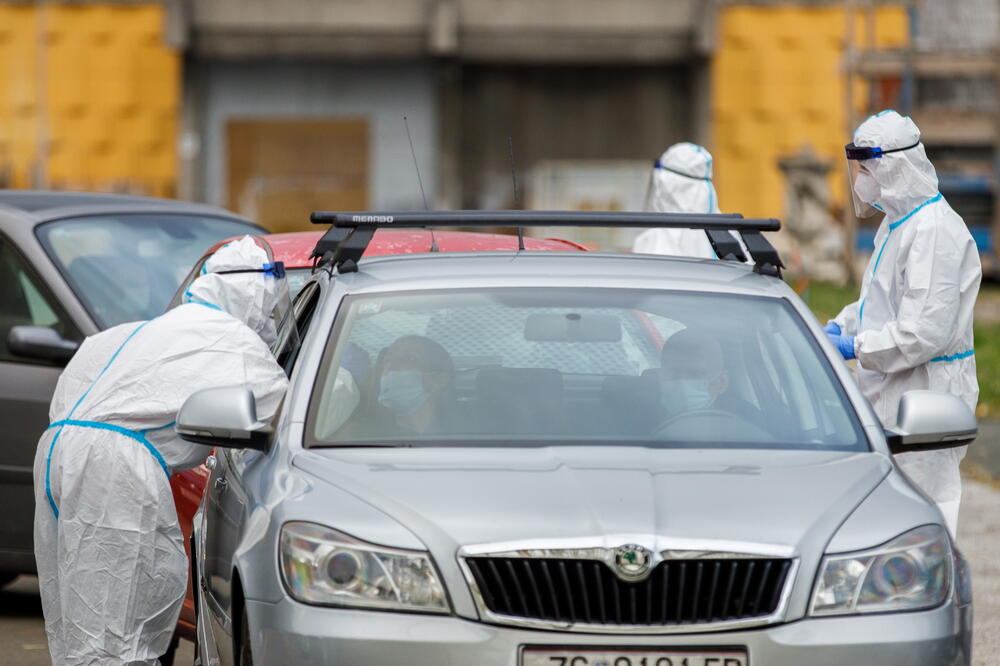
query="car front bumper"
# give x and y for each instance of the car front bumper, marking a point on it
(290, 632)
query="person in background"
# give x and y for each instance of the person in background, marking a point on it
(911, 327)
(681, 182)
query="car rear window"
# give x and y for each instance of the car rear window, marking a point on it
(597, 366)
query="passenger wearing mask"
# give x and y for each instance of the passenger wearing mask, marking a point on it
(911, 327)
(111, 564)
(416, 386)
(681, 182)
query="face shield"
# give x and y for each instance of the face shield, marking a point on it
(279, 330)
(865, 189)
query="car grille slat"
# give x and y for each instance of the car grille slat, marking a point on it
(682, 569)
(675, 592)
(711, 593)
(616, 602)
(760, 588)
(746, 587)
(664, 596)
(533, 587)
(499, 583)
(699, 570)
(596, 571)
(776, 589)
(727, 598)
(567, 588)
(583, 589)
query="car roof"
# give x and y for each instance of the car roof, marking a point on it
(43, 205)
(573, 269)
(295, 248)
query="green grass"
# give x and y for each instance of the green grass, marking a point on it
(826, 300)
(988, 368)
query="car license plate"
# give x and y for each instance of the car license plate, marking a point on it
(640, 657)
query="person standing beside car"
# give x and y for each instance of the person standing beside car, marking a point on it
(911, 327)
(111, 565)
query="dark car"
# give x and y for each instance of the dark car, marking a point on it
(73, 264)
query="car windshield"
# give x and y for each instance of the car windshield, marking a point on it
(577, 366)
(127, 267)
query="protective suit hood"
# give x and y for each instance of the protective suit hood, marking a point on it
(250, 297)
(907, 178)
(682, 181)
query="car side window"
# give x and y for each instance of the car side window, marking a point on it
(24, 302)
(302, 311)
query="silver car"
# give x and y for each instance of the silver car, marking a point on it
(570, 459)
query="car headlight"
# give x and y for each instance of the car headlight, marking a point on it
(322, 566)
(911, 572)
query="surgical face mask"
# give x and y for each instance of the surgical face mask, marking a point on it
(867, 188)
(402, 391)
(683, 395)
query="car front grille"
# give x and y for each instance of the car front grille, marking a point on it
(676, 592)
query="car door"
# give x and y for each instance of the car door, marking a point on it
(225, 502)
(26, 387)
(226, 497)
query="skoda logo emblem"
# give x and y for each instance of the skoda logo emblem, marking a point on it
(632, 561)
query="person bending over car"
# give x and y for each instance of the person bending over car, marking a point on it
(111, 565)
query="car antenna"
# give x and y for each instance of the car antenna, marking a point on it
(416, 167)
(517, 201)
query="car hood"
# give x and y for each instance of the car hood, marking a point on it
(698, 499)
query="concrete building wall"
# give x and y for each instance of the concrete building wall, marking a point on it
(381, 93)
(482, 30)
(566, 113)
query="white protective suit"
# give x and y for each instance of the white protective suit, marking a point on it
(681, 183)
(111, 563)
(913, 320)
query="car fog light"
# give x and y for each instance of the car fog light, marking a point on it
(911, 572)
(322, 566)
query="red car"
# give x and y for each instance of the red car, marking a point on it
(294, 249)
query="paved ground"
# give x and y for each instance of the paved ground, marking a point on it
(22, 630)
(22, 634)
(979, 539)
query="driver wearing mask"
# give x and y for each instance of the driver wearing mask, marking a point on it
(692, 375)
(693, 378)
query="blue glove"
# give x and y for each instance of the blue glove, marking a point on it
(832, 328)
(844, 344)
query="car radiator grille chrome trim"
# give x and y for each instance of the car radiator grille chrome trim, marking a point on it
(581, 591)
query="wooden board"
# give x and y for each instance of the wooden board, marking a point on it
(281, 169)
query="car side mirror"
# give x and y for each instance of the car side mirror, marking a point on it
(42, 343)
(929, 420)
(224, 417)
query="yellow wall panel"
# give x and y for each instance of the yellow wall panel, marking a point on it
(108, 115)
(777, 84)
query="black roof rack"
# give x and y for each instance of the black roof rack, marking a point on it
(350, 232)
